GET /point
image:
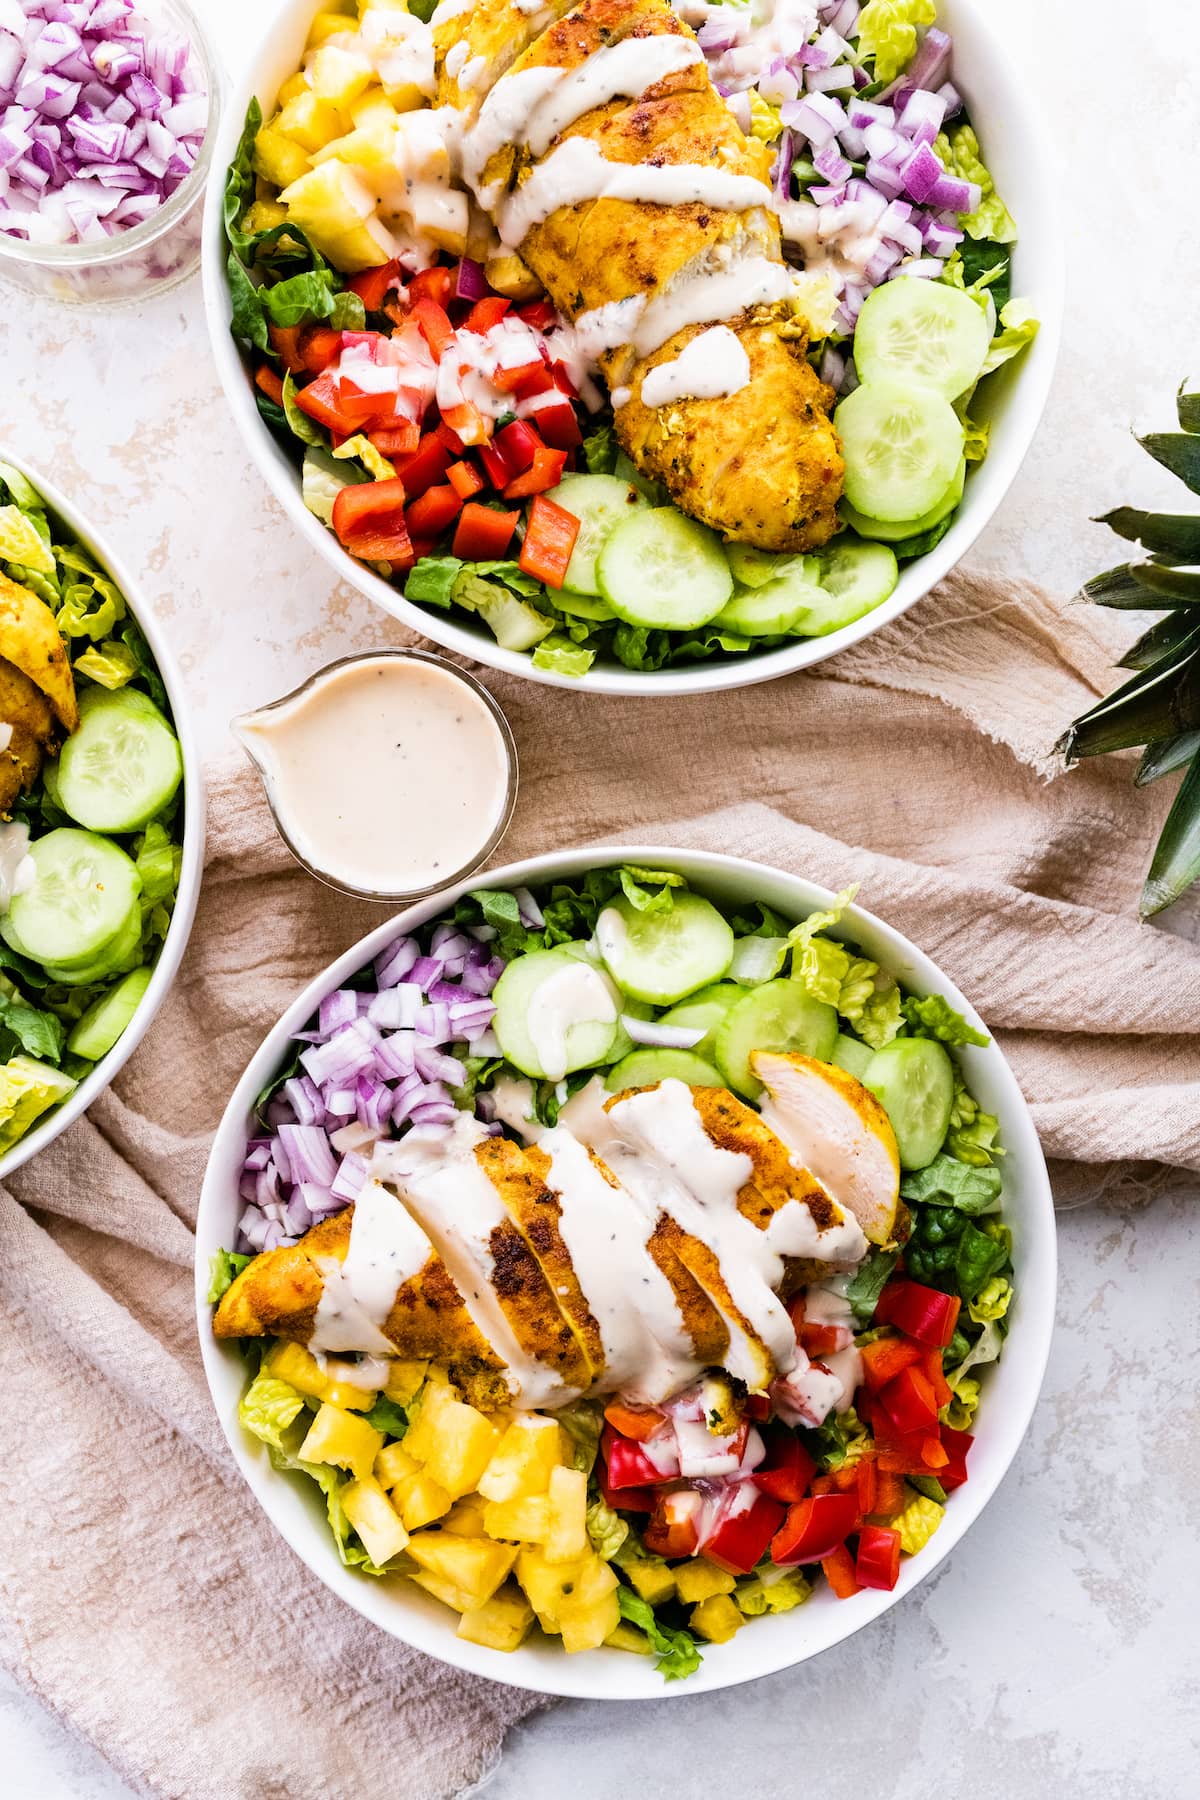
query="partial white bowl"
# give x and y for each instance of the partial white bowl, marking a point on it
(1014, 142)
(175, 943)
(767, 1644)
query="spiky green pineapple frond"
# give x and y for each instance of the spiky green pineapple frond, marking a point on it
(1158, 708)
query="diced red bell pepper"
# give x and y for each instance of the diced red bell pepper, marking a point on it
(820, 1340)
(486, 313)
(956, 1444)
(433, 284)
(268, 382)
(908, 1400)
(499, 470)
(396, 440)
(519, 444)
(549, 540)
(515, 381)
(435, 325)
(758, 1406)
(433, 511)
(627, 1463)
(374, 285)
(320, 345)
(635, 1422)
(886, 1358)
(422, 547)
(484, 535)
(866, 1485)
(740, 1540)
(889, 1493)
(838, 1569)
(787, 1468)
(467, 423)
(538, 313)
(877, 1564)
(427, 464)
(672, 1530)
(465, 479)
(285, 341)
(558, 425)
(920, 1312)
(814, 1528)
(364, 406)
(368, 506)
(544, 472)
(321, 400)
(935, 1374)
(917, 1453)
(634, 1499)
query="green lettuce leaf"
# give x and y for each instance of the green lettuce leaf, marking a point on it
(868, 1282)
(887, 31)
(21, 490)
(947, 1182)
(560, 655)
(600, 450)
(606, 1529)
(993, 1301)
(359, 448)
(771, 1590)
(649, 890)
(267, 1408)
(322, 480)
(28, 1028)
(930, 1016)
(299, 423)
(676, 1650)
(224, 1266)
(973, 1133)
(112, 664)
(978, 1258)
(582, 1423)
(840, 1442)
(880, 1019)
(21, 542)
(389, 1417)
(159, 861)
(431, 580)
(917, 1523)
(959, 153)
(28, 1089)
(1019, 327)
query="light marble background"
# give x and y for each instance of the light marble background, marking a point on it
(1057, 1651)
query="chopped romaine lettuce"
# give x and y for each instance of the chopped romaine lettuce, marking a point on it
(606, 1529)
(1019, 327)
(959, 153)
(932, 1017)
(676, 1650)
(917, 1523)
(771, 1590)
(887, 31)
(223, 1269)
(28, 1089)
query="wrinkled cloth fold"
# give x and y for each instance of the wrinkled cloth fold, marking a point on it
(143, 1596)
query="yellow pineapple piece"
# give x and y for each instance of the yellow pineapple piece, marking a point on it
(292, 1362)
(281, 160)
(566, 1536)
(546, 1584)
(699, 1580)
(335, 207)
(509, 276)
(339, 76)
(524, 1459)
(473, 1567)
(453, 1440)
(438, 1376)
(294, 85)
(651, 1578)
(371, 109)
(420, 1501)
(328, 24)
(338, 1437)
(501, 1623)
(311, 121)
(394, 1465)
(525, 1520)
(465, 1518)
(590, 1612)
(628, 1637)
(375, 1519)
(716, 1619)
(264, 215)
(404, 1381)
(441, 214)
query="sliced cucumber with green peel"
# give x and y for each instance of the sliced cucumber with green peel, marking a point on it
(892, 531)
(663, 570)
(755, 568)
(777, 607)
(584, 606)
(902, 444)
(576, 1019)
(703, 1012)
(105, 1020)
(80, 897)
(664, 956)
(913, 1080)
(600, 503)
(122, 765)
(119, 954)
(780, 1015)
(911, 330)
(646, 1067)
(855, 579)
(853, 1055)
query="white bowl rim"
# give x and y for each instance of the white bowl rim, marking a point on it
(1037, 219)
(179, 930)
(749, 1655)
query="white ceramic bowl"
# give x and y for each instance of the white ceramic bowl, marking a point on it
(1015, 146)
(175, 943)
(292, 1502)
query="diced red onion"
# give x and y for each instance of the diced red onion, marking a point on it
(922, 117)
(470, 281)
(308, 1153)
(925, 269)
(862, 113)
(530, 912)
(830, 163)
(949, 194)
(950, 94)
(782, 173)
(666, 1037)
(888, 182)
(397, 962)
(922, 172)
(351, 1177)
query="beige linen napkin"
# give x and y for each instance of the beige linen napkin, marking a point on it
(143, 1597)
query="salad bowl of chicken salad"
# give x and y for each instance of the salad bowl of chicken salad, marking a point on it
(644, 347)
(638, 1269)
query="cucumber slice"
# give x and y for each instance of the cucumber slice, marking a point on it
(911, 330)
(776, 607)
(555, 1012)
(891, 531)
(584, 606)
(97, 1031)
(755, 568)
(662, 956)
(661, 569)
(122, 765)
(779, 1015)
(646, 1067)
(600, 503)
(855, 578)
(704, 1012)
(852, 1054)
(902, 445)
(913, 1080)
(80, 896)
(622, 1044)
(114, 958)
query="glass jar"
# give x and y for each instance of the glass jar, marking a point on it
(164, 249)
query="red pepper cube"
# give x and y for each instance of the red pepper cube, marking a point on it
(814, 1528)
(549, 540)
(838, 1570)
(909, 1402)
(877, 1564)
(740, 1540)
(483, 535)
(433, 511)
(787, 1468)
(519, 443)
(921, 1312)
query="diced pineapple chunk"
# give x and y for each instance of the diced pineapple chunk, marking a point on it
(501, 1623)
(394, 1465)
(372, 109)
(524, 1520)
(311, 121)
(292, 1362)
(264, 215)
(279, 159)
(339, 76)
(440, 214)
(566, 1526)
(452, 1439)
(465, 1518)
(328, 24)
(338, 1437)
(628, 1637)
(375, 1519)
(404, 1381)
(523, 1460)
(546, 1584)
(421, 1500)
(590, 1612)
(508, 276)
(473, 1567)
(699, 1580)
(336, 208)
(716, 1619)
(650, 1577)
(295, 84)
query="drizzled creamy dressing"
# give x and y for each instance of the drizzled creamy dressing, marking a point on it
(576, 172)
(579, 995)
(387, 773)
(387, 1248)
(714, 365)
(645, 323)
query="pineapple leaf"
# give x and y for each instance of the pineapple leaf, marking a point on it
(1170, 534)
(1188, 407)
(1157, 703)
(1163, 577)
(1164, 757)
(1118, 587)
(1167, 635)
(1176, 861)
(1177, 451)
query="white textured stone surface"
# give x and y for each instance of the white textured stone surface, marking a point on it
(1057, 1652)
